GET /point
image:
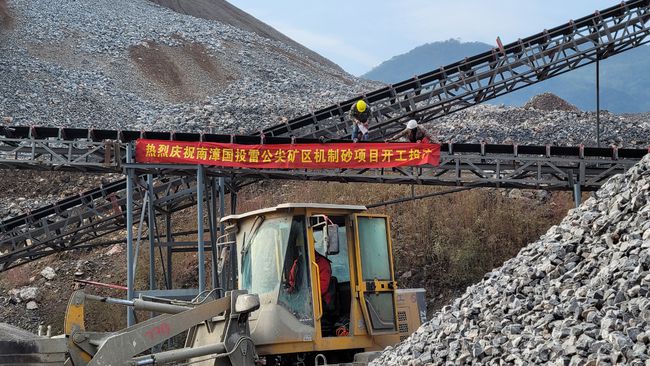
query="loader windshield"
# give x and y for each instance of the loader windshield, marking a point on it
(275, 260)
(263, 258)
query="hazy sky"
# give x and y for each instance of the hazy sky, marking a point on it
(360, 34)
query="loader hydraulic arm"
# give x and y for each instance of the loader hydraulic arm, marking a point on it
(81, 347)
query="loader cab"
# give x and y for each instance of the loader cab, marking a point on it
(277, 252)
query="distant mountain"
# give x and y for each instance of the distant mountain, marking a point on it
(624, 78)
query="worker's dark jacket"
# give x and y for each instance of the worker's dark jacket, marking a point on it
(416, 134)
(361, 116)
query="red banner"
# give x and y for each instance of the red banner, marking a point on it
(288, 156)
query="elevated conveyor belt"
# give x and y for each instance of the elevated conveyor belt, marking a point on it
(75, 221)
(465, 83)
(485, 76)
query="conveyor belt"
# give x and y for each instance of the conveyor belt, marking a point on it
(485, 76)
(76, 220)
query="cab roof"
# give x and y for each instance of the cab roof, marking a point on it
(289, 206)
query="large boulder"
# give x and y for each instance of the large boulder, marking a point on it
(28, 293)
(48, 273)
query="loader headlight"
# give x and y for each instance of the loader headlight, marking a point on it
(247, 303)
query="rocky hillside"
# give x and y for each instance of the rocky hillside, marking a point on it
(544, 120)
(226, 13)
(5, 16)
(577, 296)
(135, 64)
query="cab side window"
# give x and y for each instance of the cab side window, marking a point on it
(295, 292)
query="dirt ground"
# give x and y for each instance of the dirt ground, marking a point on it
(183, 73)
(54, 294)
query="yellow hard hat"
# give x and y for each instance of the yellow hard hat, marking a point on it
(361, 106)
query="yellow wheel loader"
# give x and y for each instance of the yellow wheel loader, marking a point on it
(312, 284)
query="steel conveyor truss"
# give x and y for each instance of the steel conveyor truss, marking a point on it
(477, 165)
(485, 76)
(75, 221)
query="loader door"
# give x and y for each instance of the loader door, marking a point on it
(375, 281)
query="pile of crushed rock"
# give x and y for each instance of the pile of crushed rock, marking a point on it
(63, 64)
(498, 124)
(577, 296)
(550, 102)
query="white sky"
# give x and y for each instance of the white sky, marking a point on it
(359, 35)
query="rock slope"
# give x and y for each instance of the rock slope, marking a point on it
(134, 64)
(225, 12)
(577, 296)
(550, 102)
(550, 125)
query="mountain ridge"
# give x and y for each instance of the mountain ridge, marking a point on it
(623, 77)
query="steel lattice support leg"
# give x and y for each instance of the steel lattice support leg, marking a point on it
(169, 239)
(577, 194)
(222, 202)
(212, 215)
(130, 270)
(233, 251)
(200, 242)
(152, 242)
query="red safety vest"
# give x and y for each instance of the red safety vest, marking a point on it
(325, 274)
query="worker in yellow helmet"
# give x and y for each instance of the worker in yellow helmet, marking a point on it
(360, 115)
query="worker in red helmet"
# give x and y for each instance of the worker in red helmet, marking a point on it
(414, 133)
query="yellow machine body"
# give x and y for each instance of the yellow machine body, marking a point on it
(276, 250)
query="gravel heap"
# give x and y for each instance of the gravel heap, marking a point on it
(550, 102)
(501, 124)
(577, 296)
(133, 64)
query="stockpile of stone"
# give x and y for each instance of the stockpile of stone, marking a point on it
(506, 125)
(577, 296)
(550, 102)
(120, 64)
